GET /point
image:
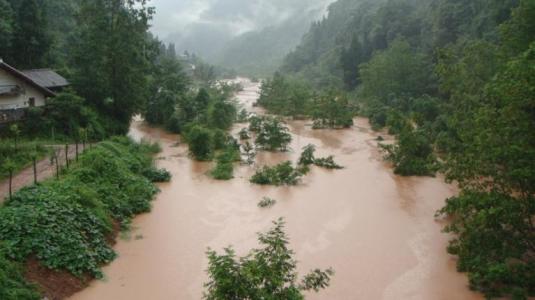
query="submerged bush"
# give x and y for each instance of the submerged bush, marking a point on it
(157, 175)
(273, 135)
(412, 155)
(65, 223)
(200, 141)
(266, 202)
(327, 163)
(265, 273)
(281, 174)
(224, 169)
(308, 158)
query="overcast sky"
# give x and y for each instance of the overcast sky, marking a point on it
(233, 16)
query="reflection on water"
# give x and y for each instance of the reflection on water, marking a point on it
(375, 229)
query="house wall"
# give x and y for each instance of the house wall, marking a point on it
(23, 99)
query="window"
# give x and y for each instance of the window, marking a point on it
(32, 102)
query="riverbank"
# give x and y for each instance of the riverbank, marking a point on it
(375, 229)
(61, 231)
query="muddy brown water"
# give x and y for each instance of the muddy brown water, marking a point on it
(375, 229)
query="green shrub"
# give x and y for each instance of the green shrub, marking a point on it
(267, 202)
(412, 155)
(157, 175)
(65, 223)
(327, 163)
(20, 157)
(223, 171)
(273, 135)
(307, 158)
(224, 168)
(281, 174)
(265, 273)
(13, 286)
(200, 142)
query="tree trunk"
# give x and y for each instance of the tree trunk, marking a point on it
(76, 151)
(34, 171)
(57, 166)
(67, 155)
(10, 185)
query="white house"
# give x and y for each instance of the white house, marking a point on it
(20, 90)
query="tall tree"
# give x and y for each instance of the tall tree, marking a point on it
(6, 29)
(110, 57)
(31, 42)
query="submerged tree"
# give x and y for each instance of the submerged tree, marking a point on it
(265, 273)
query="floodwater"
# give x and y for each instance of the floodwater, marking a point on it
(375, 229)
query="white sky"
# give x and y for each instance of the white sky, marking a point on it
(237, 16)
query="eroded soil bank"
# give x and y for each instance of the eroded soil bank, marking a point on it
(375, 229)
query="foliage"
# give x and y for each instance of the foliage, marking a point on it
(284, 96)
(265, 273)
(495, 241)
(267, 202)
(31, 41)
(224, 168)
(412, 155)
(20, 157)
(281, 174)
(157, 175)
(273, 135)
(200, 142)
(110, 66)
(244, 134)
(65, 223)
(308, 158)
(13, 286)
(331, 110)
(327, 163)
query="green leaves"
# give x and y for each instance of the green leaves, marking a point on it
(65, 224)
(281, 174)
(268, 272)
(272, 134)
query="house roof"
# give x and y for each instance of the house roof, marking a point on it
(18, 74)
(47, 78)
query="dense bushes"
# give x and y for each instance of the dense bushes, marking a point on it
(281, 174)
(271, 133)
(412, 155)
(494, 243)
(12, 283)
(65, 223)
(286, 96)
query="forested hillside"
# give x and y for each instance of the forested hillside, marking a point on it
(454, 81)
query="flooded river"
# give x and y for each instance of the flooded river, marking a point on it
(374, 228)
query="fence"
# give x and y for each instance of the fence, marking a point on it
(45, 168)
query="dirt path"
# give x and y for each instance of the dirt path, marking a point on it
(44, 170)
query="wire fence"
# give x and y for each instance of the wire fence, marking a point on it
(59, 158)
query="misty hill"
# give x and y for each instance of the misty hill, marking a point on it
(252, 37)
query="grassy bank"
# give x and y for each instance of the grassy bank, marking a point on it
(67, 225)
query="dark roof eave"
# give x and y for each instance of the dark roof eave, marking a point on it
(23, 77)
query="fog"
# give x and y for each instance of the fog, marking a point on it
(206, 26)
